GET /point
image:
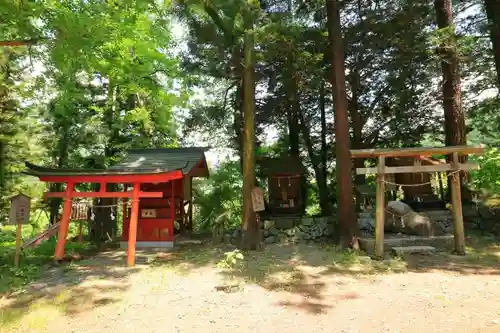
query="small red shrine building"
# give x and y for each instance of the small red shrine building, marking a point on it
(158, 182)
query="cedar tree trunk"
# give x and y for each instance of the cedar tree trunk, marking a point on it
(454, 121)
(493, 13)
(249, 239)
(347, 220)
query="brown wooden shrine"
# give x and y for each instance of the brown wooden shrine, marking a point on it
(285, 190)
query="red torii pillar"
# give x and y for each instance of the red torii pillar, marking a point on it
(135, 195)
(64, 226)
(132, 230)
(66, 217)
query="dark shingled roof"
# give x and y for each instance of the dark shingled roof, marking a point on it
(281, 165)
(37, 170)
(160, 160)
(137, 161)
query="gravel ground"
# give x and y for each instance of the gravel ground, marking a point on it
(294, 289)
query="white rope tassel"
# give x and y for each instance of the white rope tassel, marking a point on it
(421, 184)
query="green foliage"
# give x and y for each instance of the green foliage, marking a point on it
(232, 259)
(105, 80)
(220, 194)
(123, 73)
(485, 125)
(33, 261)
(487, 178)
(485, 121)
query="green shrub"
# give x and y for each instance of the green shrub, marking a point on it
(220, 194)
(487, 179)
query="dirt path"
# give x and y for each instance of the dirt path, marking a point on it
(284, 289)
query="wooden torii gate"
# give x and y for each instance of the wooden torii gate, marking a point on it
(454, 168)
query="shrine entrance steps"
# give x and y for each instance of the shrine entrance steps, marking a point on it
(404, 250)
(443, 243)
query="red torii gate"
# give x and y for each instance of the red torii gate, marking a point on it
(102, 177)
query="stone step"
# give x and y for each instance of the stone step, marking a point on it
(445, 242)
(402, 250)
(438, 213)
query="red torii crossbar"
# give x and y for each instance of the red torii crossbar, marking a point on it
(103, 179)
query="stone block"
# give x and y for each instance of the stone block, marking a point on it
(366, 224)
(321, 220)
(307, 221)
(330, 230)
(445, 242)
(284, 223)
(402, 250)
(268, 224)
(270, 240)
(291, 232)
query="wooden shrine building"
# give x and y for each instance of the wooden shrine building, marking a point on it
(158, 183)
(285, 177)
(417, 187)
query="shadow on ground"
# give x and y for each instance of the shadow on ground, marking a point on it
(295, 269)
(482, 258)
(71, 288)
(305, 270)
(312, 278)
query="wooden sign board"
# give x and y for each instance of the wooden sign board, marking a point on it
(148, 213)
(258, 199)
(20, 209)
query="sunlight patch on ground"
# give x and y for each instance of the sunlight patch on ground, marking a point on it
(156, 280)
(34, 317)
(35, 308)
(285, 278)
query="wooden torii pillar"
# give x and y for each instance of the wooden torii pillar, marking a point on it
(454, 168)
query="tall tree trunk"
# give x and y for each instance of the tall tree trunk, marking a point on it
(105, 212)
(493, 13)
(324, 147)
(238, 120)
(454, 120)
(324, 194)
(62, 160)
(293, 122)
(294, 128)
(357, 132)
(293, 131)
(348, 224)
(249, 239)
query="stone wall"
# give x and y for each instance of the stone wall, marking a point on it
(308, 229)
(292, 230)
(476, 217)
(482, 218)
(319, 229)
